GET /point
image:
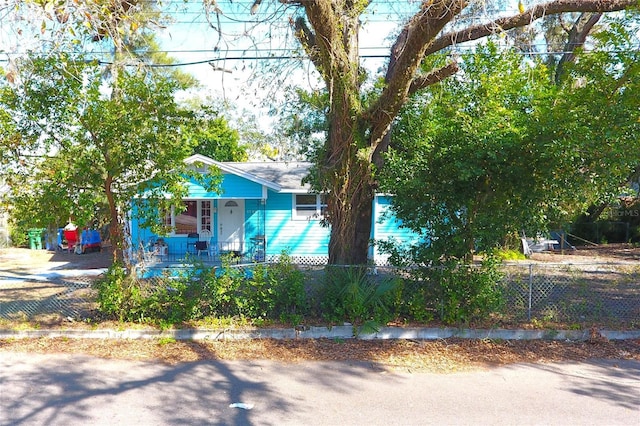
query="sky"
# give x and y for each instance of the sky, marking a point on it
(190, 39)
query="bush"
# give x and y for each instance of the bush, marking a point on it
(457, 293)
(351, 294)
(223, 289)
(453, 292)
(276, 291)
(121, 295)
(266, 292)
(178, 299)
(507, 254)
(414, 301)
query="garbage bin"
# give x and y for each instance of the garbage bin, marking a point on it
(35, 238)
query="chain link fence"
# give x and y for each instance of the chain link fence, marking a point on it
(48, 301)
(574, 293)
(563, 293)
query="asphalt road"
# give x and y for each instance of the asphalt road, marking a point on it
(80, 390)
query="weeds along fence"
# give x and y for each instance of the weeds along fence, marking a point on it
(573, 293)
(564, 293)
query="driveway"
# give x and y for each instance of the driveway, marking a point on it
(80, 390)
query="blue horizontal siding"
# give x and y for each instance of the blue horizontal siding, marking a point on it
(232, 187)
(138, 234)
(297, 237)
(238, 187)
(388, 227)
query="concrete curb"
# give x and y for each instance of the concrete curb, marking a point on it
(337, 332)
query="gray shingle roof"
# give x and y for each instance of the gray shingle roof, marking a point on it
(287, 175)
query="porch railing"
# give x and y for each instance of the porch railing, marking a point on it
(253, 250)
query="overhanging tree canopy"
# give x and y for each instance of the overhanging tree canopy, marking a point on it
(359, 124)
(78, 138)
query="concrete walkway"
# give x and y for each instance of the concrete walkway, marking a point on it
(336, 332)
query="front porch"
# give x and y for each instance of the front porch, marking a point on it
(170, 252)
(259, 211)
(206, 231)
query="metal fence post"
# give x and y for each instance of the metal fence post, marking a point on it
(530, 290)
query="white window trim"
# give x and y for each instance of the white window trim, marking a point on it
(318, 208)
(201, 216)
(198, 218)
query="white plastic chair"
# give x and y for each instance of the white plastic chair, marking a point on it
(204, 243)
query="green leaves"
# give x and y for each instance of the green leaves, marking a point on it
(89, 145)
(503, 149)
(213, 137)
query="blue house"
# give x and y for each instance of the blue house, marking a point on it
(262, 209)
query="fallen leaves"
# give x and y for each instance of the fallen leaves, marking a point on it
(441, 356)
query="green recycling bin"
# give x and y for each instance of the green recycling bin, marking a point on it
(35, 238)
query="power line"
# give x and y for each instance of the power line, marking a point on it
(232, 58)
(268, 52)
(305, 58)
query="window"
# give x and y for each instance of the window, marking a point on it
(167, 219)
(186, 222)
(196, 217)
(309, 206)
(205, 215)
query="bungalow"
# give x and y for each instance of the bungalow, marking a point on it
(262, 209)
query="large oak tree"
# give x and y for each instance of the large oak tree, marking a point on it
(359, 125)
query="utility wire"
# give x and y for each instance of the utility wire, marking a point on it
(304, 58)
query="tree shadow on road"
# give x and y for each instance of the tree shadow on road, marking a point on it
(78, 389)
(616, 382)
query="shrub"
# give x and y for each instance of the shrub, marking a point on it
(178, 299)
(274, 291)
(351, 294)
(223, 289)
(508, 254)
(121, 295)
(414, 301)
(457, 292)
(287, 282)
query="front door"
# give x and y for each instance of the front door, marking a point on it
(231, 225)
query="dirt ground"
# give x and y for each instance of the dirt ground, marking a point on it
(601, 253)
(442, 356)
(25, 260)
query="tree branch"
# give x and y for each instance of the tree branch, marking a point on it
(433, 77)
(523, 19)
(407, 53)
(577, 37)
(307, 38)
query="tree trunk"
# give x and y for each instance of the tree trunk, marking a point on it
(347, 176)
(351, 217)
(115, 230)
(344, 171)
